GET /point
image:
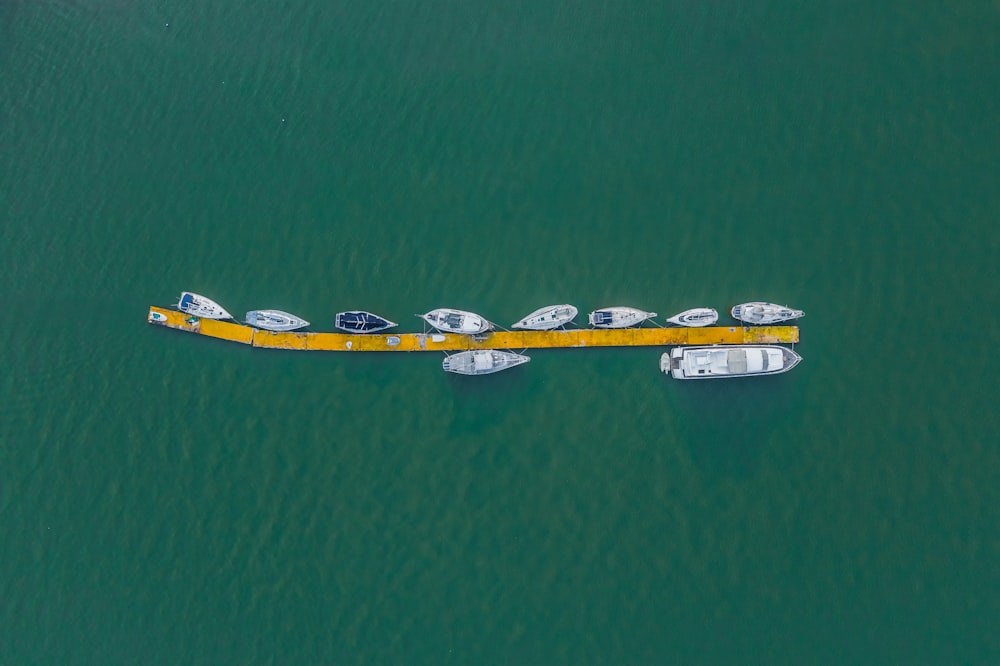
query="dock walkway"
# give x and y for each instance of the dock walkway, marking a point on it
(579, 337)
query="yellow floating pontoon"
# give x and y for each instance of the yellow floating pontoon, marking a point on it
(582, 337)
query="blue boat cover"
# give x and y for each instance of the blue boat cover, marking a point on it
(360, 321)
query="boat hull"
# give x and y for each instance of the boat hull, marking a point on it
(359, 321)
(456, 321)
(727, 361)
(482, 361)
(200, 306)
(758, 312)
(618, 317)
(274, 320)
(695, 318)
(547, 318)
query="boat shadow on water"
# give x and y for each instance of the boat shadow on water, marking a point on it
(728, 425)
(485, 401)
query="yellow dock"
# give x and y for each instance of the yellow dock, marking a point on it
(580, 337)
(223, 330)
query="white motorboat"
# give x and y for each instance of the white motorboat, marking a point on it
(274, 320)
(758, 312)
(456, 321)
(482, 361)
(200, 306)
(722, 361)
(359, 321)
(695, 317)
(619, 317)
(549, 317)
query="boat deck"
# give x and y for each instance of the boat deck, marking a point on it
(579, 337)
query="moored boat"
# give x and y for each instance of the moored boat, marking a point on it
(721, 361)
(201, 306)
(549, 317)
(695, 317)
(482, 361)
(274, 320)
(359, 321)
(758, 312)
(456, 321)
(619, 317)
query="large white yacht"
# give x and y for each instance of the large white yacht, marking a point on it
(720, 361)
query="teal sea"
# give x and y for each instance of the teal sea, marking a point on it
(169, 499)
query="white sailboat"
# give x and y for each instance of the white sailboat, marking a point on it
(274, 320)
(547, 318)
(201, 306)
(619, 317)
(758, 312)
(456, 321)
(695, 317)
(482, 361)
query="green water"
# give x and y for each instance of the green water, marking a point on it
(166, 499)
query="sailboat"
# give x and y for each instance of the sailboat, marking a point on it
(201, 306)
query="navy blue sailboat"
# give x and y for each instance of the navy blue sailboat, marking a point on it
(359, 321)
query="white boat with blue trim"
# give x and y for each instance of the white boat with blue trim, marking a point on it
(201, 306)
(695, 317)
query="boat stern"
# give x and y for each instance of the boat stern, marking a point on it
(665, 362)
(670, 363)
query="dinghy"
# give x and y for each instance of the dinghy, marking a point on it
(359, 321)
(619, 317)
(482, 361)
(456, 321)
(695, 317)
(549, 317)
(758, 312)
(722, 361)
(200, 306)
(274, 320)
